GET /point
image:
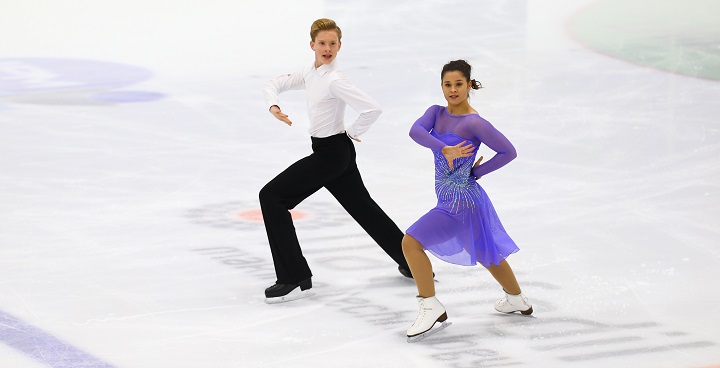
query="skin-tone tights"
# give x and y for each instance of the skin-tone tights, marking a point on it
(421, 269)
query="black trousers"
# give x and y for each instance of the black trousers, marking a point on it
(331, 165)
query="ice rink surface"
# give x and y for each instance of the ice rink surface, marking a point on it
(134, 140)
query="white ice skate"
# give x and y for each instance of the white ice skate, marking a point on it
(514, 303)
(431, 311)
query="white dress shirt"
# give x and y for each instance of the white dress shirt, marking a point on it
(328, 90)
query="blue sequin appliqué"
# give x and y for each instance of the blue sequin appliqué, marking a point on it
(456, 189)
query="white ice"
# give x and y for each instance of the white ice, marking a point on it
(122, 233)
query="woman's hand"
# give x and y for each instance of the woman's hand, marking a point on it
(476, 164)
(462, 149)
(275, 110)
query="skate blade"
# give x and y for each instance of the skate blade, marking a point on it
(429, 332)
(293, 295)
(526, 313)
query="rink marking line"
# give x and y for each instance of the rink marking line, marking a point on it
(42, 346)
(152, 314)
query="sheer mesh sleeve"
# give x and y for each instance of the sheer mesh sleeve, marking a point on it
(420, 130)
(496, 141)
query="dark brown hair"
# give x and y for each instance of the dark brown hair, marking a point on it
(463, 67)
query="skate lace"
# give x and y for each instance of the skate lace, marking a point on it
(421, 315)
(506, 301)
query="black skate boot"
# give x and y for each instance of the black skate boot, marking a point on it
(280, 293)
(405, 272)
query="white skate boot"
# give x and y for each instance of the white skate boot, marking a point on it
(514, 303)
(431, 311)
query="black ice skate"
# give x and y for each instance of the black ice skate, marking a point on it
(280, 293)
(405, 272)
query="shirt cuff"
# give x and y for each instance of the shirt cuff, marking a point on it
(351, 133)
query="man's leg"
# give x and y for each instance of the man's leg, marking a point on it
(281, 194)
(350, 191)
(276, 199)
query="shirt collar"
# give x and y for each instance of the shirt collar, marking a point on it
(325, 68)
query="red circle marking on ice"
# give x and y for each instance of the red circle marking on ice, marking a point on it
(256, 215)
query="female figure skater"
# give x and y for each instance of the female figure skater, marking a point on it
(463, 228)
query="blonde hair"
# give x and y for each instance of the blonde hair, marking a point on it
(324, 24)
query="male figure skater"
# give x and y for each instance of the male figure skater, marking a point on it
(331, 165)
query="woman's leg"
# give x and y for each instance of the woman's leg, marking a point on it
(505, 277)
(513, 301)
(431, 310)
(420, 266)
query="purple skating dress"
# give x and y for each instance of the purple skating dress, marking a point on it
(463, 228)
